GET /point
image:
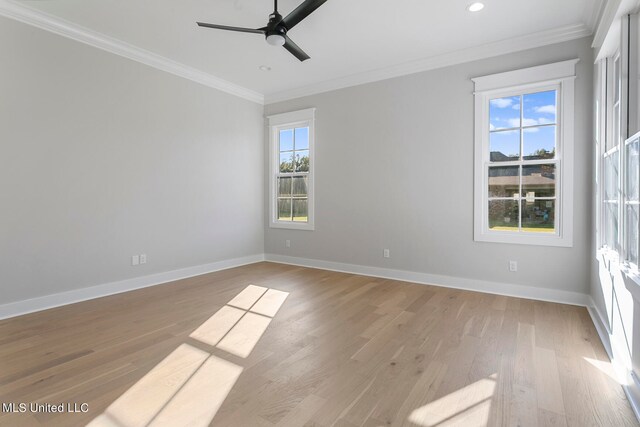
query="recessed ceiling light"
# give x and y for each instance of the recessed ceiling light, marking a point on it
(475, 7)
(264, 68)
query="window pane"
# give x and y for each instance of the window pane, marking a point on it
(504, 181)
(286, 162)
(300, 210)
(633, 164)
(284, 187)
(611, 177)
(504, 113)
(302, 161)
(616, 80)
(302, 139)
(538, 216)
(503, 215)
(504, 146)
(615, 137)
(538, 181)
(539, 108)
(300, 186)
(611, 225)
(284, 209)
(286, 140)
(539, 143)
(632, 233)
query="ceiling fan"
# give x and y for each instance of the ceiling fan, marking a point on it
(277, 28)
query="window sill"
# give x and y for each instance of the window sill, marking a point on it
(520, 239)
(293, 225)
(631, 275)
(611, 258)
(632, 280)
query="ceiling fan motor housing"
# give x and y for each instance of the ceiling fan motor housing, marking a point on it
(275, 31)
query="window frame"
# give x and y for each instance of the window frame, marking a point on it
(611, 83)
(558, 76)
(615, 134)
(276, 123)
(615, 92)
(625, 202)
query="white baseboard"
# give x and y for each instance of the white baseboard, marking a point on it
(629, 381)
(56, 300)
(529, 292)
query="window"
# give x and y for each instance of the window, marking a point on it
(524, 156)
(619, 157)
(291, 169)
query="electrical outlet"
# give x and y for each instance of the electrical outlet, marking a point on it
(513, 266)
(287, 243)
(135, 260)
(143, 258)
(386, 253)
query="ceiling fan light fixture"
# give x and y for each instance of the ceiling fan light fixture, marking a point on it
(475, 7)
(275, 40)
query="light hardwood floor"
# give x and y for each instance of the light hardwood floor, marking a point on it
(342, 350)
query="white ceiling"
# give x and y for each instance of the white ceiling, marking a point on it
(343, 38)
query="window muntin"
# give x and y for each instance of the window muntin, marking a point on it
(522, 162)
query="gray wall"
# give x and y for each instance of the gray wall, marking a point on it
(394, 169)
(102, 158)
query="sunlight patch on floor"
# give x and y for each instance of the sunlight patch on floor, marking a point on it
(189, 386)
(469, 406)
(140, 404)
(604, 367)
(270, 303)
(200, 398)
(244, 335)
(247, 297)
(218, 325)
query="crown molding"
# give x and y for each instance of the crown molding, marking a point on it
(593, 13)
(488, 50)
(36, 18)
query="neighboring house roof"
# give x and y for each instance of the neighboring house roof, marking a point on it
(498, 156)
(527, 180)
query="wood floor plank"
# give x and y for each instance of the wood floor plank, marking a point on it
(549, 390)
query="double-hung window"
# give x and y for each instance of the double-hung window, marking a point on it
(291, 147)
(619, 162)
(524, 156)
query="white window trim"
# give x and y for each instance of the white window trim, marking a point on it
(615, 255)
(281, 121)
(562, 76)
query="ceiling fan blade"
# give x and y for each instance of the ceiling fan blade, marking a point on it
(295, 49)
(301, 12)
(225, 27)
